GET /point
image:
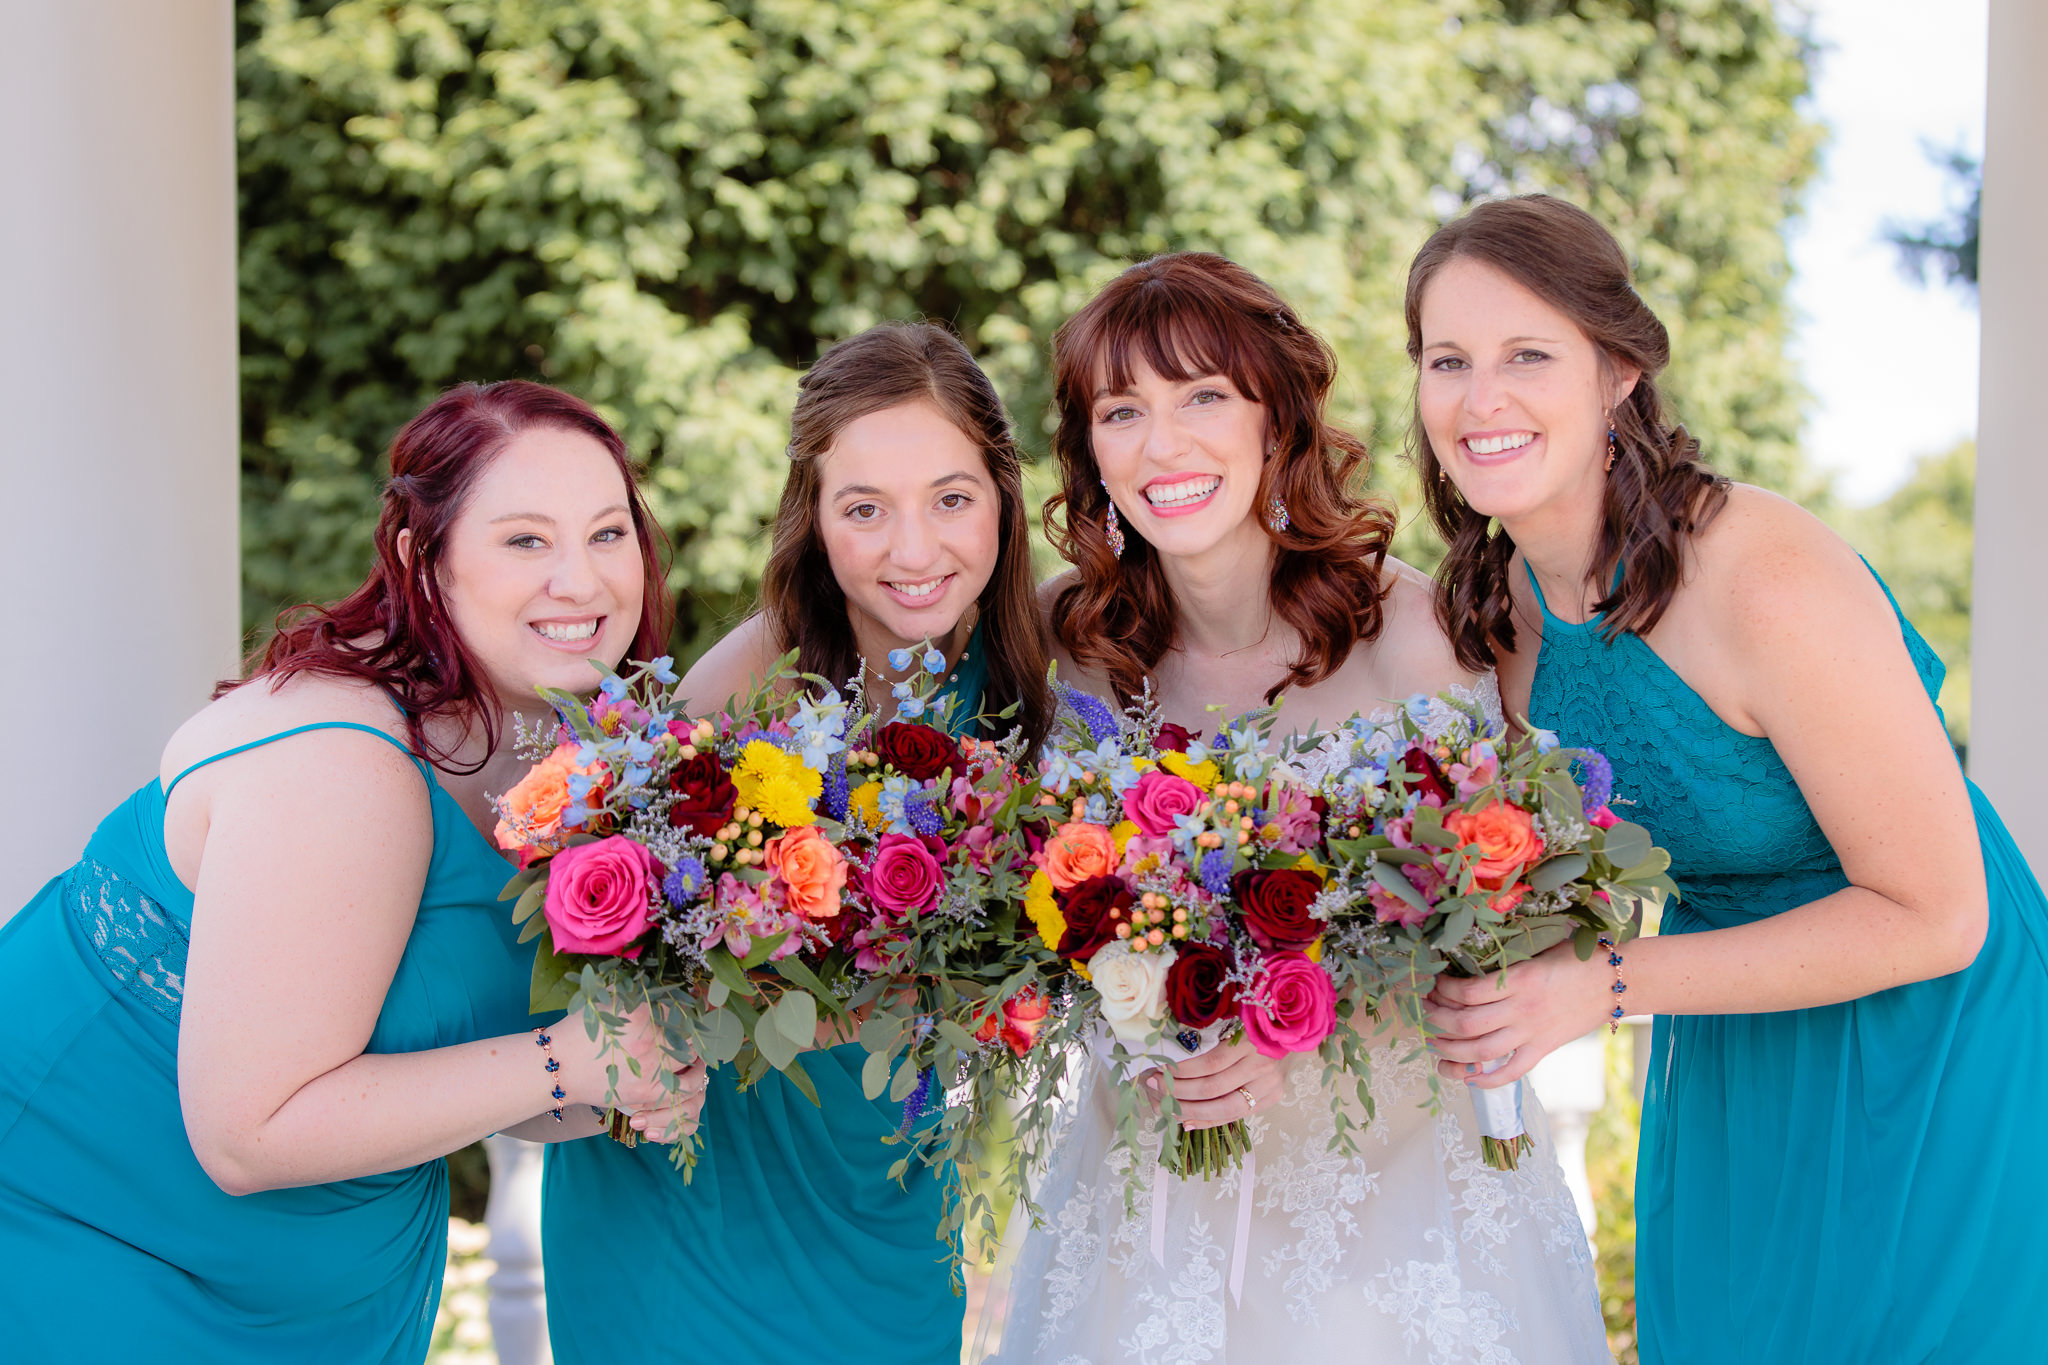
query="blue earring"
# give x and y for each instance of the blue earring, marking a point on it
(1113, 530)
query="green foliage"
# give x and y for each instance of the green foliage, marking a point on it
(1920, 539)
(1611, 1174)
(671, 206)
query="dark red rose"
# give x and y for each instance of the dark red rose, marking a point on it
(1196, 994)
(1092, 909)
(1425, 777)
(1174, 737)
(704, 796)
(917, 751)
(1275, 906)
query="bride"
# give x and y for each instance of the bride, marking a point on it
(1218, 550)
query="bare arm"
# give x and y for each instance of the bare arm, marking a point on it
(1815, 661)
(314, 856)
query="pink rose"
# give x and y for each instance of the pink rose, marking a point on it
(599, 897)
(903, 875)
(1155, 799)
(1292, 1006)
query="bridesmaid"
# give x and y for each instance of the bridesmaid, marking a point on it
(279, 985)
(902, 521)
(1839, 1149)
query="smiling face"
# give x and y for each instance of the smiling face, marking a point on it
(541, 571)
(1513, 395)
(910, 522)
(1182, 461)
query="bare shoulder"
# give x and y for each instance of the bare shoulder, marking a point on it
(733, 666)
(1070, 672)
(1412, 653)
(1766, 565)
(263, 707)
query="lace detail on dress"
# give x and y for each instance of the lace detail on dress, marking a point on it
(141, 944)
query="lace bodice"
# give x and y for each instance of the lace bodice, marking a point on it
(1743, 842)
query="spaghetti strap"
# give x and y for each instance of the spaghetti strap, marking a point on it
(1541, 605)
(300, 730)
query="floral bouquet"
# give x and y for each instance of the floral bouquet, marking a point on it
(762, 878)
(1484, 850)
(1188, 895)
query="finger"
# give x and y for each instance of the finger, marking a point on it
(1476, 1052)
(1470, 1021)
(1472, 990)
(1208, 1063)
(1520, 1063)
(1242, 1071)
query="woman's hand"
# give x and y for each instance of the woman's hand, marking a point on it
(1524, 1014)
(1223, 1084)
(676, 1116)
(586, 1064)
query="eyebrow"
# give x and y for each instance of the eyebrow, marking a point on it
(546, 520)
(1127, 392)
(1508, 341)
(870, 491)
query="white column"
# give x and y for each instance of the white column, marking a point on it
(117, 380)
(2009, 638)
(519, 1304)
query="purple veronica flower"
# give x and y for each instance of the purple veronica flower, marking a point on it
(1093, 711)
(1216, 871)
(833, 800)
(915, 1103)
(1596, 779)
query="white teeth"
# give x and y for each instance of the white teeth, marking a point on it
(1179, 494)
(919, 589)
(566, 634)
(1494, 445)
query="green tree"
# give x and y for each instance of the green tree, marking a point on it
(671, 206)
(1921, 540)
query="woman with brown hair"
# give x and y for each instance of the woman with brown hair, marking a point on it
(1838, 1148)
(1222, 551)
(902, 525)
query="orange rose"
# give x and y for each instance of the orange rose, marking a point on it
(812, 871)
(531, 812)
(1077, 851)
(1507, 840)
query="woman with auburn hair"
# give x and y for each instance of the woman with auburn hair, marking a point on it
(1221, 550)
(279, 985)
(1838, 1159)
(902, 522)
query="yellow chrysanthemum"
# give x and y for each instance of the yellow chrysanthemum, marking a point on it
(1122, 831)
(867, 799)
(1143, 765)
(1203, 774)
(1315, 951)
(1307, 863)
(1044, 910)
(786, 800)
(777, 784)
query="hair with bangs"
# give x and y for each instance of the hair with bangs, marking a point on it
(394, 630)
(884, 367)
(1184, 316)
(1658, 493)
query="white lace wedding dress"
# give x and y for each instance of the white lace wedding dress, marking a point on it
(1411, 1251)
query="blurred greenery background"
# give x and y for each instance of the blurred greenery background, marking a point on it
(672, 206)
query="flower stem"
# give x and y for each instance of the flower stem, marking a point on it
(1207, 1152)
(1505, 1154)
(620, 1125)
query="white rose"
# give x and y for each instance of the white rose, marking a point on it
(1132, 987)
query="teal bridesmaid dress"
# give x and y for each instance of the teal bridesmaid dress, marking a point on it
(1852, 1183)
(790, 1245)
(114, 1243)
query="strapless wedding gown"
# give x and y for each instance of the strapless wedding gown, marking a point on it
(1411, 1251)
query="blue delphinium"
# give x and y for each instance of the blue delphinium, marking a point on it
(915, 1103)
(663, 669)
(934, 662)
(899, 659)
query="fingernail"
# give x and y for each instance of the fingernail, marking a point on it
(1471, 1067)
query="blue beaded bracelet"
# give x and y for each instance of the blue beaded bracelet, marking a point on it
(546, 1045)
(1614, 1016)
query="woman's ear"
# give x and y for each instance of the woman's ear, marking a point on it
(1625, 379)
(403, 547)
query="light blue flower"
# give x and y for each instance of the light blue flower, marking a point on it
(890, 805)
(1197, 752)
(913, 708)
(901, 691)
(899, 659)
(637, 775)
(1097, 810)
(579, 786)
(934, 662)
(1110, 759)
(1060, 770)
(1546, 740)
(819, 725)
(586, 754)
(1187, 829)
(572, 816)
(638, 749)
(614, 687)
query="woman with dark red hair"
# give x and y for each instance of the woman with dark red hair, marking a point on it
(279, 985)
(1222, 551)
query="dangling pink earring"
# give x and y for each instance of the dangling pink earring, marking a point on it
(1113, 530)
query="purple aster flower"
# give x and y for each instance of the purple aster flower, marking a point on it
(1596, 779)
(1216, 866)
(685, 884)
(1093, 711)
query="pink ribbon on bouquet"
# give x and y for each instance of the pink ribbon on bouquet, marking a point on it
(1247, 1178)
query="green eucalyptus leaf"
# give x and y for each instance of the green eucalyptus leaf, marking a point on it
(801, 1079)
(874, 1073)
(1391, 880)
(758, 954)
(1555, 872)
(1626, 845)
(796, 1016)
(775, 1044)
(530, 900)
